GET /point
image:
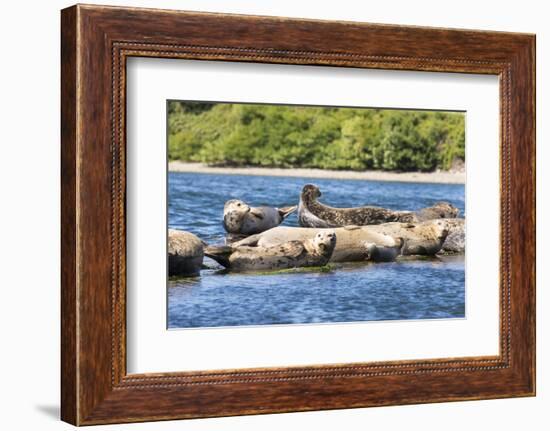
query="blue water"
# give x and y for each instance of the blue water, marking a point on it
(409, 289)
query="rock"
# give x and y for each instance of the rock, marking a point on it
(185, 253)
(455, 243)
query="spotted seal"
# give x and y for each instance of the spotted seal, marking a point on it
(437, 211)
(185, 253)
(353, 243)
(240, 218)
(312, 213)
(315, 251)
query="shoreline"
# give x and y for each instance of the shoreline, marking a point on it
(441, 177)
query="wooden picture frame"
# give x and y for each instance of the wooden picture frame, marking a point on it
(95, 43)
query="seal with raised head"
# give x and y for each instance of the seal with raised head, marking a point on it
(185, 253)
(312, 213)
(240, 218)
(353, 243)
(314, 251)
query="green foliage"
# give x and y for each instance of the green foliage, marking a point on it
(314, 137)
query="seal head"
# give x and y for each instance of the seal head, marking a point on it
(310, 192)
(234, 213)
(324, 242)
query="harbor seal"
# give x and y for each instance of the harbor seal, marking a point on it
(424, 238)
(382, 242)
(240, 218)
(438, 210)
(185, 253)
(353, 244)
(315, 251)
(312, 213)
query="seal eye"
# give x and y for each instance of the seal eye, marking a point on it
(238, 204)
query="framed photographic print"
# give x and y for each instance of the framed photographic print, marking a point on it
(265, 215)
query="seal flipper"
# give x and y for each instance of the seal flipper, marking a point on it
(352, 227)
(256, 212)
(220, 253)
(291, 249)
(232, 238)
(250, 241)
(286, 211)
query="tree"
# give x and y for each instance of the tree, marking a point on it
(316, 137)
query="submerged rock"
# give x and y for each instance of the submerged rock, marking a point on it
(185, 253)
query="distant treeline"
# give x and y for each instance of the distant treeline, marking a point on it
(314, 137)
